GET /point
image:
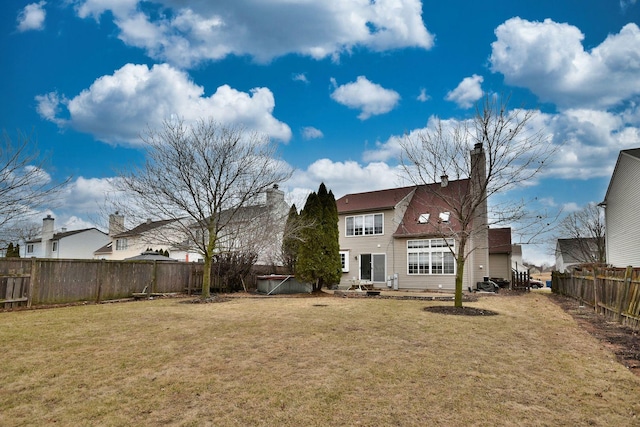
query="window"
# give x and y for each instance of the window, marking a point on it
(430, 256)
(121, 244)
(29, 249)
(54, 246)
(364, 225)
(444, 216)
(344, 260)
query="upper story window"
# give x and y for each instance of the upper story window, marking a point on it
(54, 246)
(121, 244)
(365, 225)
(29, 248)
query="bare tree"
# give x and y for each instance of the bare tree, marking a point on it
(201, 177)
(506, 152)
(585, 232)
(25, 186)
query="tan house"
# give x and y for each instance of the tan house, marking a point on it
(405, 238)
(500, 248)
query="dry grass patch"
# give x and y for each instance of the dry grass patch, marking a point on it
(309, 361)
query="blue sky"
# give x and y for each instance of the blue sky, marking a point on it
(335, 82)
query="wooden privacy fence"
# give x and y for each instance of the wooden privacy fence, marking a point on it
(38, 281)
(612, 292)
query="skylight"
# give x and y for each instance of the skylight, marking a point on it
(423, 218)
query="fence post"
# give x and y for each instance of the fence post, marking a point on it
(622, 294)
(595, 290)
(32, 280)
(100, 277)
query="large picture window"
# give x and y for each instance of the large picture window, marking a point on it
(431, 256)
(364, 225)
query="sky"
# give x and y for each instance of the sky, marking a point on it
(336, 83)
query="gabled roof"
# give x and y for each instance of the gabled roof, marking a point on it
(63, 234)
(372, 200)
(500, 240)
(432, 199)
(144, 227)
(632, 152)
(573, 250)
(106, 249)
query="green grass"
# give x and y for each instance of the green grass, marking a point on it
(309, 361)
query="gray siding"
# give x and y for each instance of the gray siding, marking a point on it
(622, 213)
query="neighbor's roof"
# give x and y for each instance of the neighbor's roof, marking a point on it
(500, 240)
(372, 200)
(573, 250)
(144, 227)
(63, 234)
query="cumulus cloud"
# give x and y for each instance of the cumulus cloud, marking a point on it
(309, 132)
(119, 107)
(549, 59)
(32, 17)
(189, 33)
(423, 97)
(371, 98)
(468, 92)
(343, 178)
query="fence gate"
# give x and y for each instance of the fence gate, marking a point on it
(14, 290)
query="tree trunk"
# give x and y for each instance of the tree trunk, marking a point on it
(206, 277)
(460, 260)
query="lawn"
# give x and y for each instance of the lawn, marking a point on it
(309, 362)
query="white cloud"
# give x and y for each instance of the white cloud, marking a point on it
(300, 77)
(189, 33)
(371, 98)
(343, 178)
(468, 92)
(309, 132)
(119, 107)
(549, 59)
(32, 17)
(423, 97)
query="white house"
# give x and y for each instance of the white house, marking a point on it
(63, 244)
(257, 227)
(621, 207)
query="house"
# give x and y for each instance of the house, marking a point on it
(398, 237)
(621, 203)
(570, 252)
(500, 248)
(75, 244)
(258, 227)
(127, 244)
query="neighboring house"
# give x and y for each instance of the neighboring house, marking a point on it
(621, 205)
(75, 244)
(500, 264)
(256, 227)
(570, 252)
(394, 237)
(127, 244)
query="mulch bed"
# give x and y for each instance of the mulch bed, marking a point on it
(460, 311)
(622, 340)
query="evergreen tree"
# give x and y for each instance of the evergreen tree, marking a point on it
(9, 252)
(17, 251)
(318, 255)
(291, 239)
